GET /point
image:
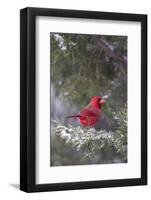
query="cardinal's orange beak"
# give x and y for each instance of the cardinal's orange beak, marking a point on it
(102, 102)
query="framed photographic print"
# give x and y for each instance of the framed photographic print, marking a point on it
(83, 99)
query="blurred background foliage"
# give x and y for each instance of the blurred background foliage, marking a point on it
(83, 66)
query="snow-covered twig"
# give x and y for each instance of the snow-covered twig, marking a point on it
(92, 140)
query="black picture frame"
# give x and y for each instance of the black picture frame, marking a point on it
(28, 98)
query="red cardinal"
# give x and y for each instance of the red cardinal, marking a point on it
(89, 115)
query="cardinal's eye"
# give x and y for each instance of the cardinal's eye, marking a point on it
(99, 100)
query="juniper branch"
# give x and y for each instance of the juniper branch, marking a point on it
(92, 140)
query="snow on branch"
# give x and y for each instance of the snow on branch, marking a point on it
(92, 140)
(80, 137)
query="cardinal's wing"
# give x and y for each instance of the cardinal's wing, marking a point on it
(89, 115)
(89, 111)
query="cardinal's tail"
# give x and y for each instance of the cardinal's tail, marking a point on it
(72, 116)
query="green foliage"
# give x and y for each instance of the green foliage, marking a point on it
(91, 141)
(121, 132)
(85, 65)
